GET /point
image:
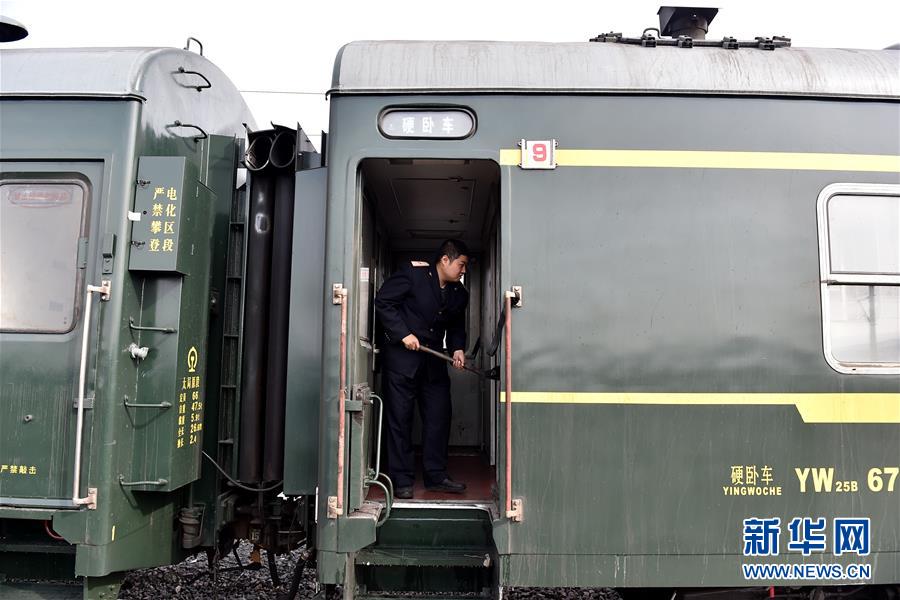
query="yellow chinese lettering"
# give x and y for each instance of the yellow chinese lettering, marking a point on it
(159, 191)
(179, 443)
(169, 228)
(168, 245)
(32, 470)
(155, 227)
(157, 210)
(154, 245)
(170, 210)
(751, 475)
(172, 194)
(14, 469)
(181, 420)
(737, 474)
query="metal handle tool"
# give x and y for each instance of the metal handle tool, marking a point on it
(492, 374)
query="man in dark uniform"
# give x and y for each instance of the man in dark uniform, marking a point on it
(417, 305)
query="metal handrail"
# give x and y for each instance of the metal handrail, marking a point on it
(380, 421)
(200, 88)
(203, 135)
(134, 327)
(513, 507)
(336, 502)
(103, 289)
(161, 405)
(154, 482)
(342, 408)
(508, 357)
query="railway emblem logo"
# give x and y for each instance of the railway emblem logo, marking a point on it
(192, 358)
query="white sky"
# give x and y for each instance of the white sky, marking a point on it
(290, 45)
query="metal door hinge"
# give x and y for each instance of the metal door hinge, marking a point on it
(103, 289)
(333, 511)
(515, 514)
(109, 252)
(89, 501)
(82, 257)
(338, 293)
(516, 296)
(87, 403)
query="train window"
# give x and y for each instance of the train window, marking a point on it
(40, 228)
(864, 323)
(863, 234)
(860, 277)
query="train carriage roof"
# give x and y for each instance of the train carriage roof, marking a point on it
(97, 72)
(377, 67)
(170, 83)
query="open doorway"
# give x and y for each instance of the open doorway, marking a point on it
(407, 208)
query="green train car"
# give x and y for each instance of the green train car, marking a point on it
(686, 265)
(121, 190)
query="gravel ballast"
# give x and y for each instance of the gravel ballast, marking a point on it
(190, 580)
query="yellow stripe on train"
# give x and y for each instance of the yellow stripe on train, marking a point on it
(813, 408)
(703, 159)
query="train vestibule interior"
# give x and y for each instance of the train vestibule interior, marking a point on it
(408, 208)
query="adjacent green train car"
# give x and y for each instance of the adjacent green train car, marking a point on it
(119, 191)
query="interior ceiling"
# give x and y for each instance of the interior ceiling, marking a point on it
(420, 202)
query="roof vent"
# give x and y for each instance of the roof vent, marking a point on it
(689, 21)
(11, 30)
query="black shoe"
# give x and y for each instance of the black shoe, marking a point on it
(404, 493)
(447, 485)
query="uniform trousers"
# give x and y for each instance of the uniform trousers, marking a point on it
(431, 389)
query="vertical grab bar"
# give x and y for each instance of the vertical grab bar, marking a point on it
(387, 487)
(336, 502)
(380, 422)
(513, 507)
(91, 499)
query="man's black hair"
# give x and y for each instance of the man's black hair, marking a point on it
(453, 249)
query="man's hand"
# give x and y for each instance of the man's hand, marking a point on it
(411, 342)
(459, 359)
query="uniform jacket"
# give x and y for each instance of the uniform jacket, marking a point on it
(410, 302)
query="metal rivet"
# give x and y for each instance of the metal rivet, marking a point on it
(28, 418)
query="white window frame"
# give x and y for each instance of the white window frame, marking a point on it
(829, 278)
